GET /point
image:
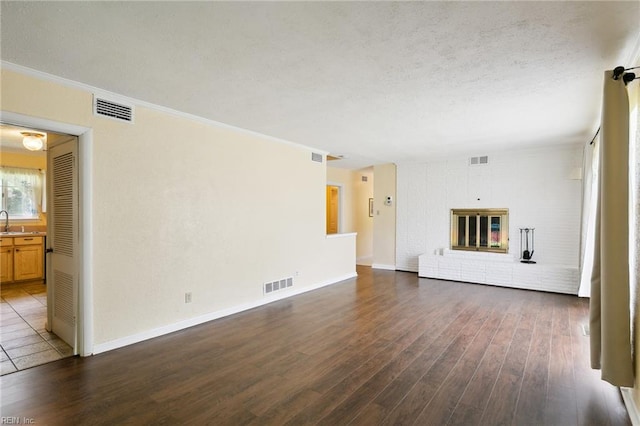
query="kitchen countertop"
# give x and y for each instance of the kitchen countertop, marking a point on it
(23, 234)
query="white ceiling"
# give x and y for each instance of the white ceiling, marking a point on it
(374, 81)
(11, 139)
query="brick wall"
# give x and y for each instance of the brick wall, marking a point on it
(541, 188)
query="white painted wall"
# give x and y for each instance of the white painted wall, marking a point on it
(384, 217)
(183, 205)
(539, 187)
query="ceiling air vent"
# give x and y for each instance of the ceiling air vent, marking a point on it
(110, 109)
(316, 157)
(474, 161)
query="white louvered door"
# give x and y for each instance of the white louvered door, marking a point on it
(62, 239)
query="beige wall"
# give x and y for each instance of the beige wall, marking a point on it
(186, 206)
(384, 220)
(364, 223)
(15, 159)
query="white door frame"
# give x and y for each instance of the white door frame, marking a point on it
(85, 173)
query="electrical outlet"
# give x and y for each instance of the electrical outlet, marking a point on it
(187, 297)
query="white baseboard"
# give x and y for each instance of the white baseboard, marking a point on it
(630, 403)
(383, 266)
(160, 331)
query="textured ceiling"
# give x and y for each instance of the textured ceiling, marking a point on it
(374, 81)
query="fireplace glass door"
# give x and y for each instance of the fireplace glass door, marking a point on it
(480, 230)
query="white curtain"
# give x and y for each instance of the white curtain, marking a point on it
(634, 206)
(590, 164)
(609, 305)
(43, 191)
(22, 191)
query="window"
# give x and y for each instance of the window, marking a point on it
(480, 230)
(21, 192)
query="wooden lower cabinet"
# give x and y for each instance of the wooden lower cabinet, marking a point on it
(22, 259)
(6, 264)
(27, 262)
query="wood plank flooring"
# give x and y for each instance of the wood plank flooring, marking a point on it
(385, 348)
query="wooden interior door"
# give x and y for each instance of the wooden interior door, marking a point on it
(333, 200)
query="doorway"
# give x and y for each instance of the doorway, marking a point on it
(333, 209)
(29, 337)
(81, 290)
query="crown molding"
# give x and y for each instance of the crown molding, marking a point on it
(20, 69)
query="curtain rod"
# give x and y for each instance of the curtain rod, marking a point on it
(594, 137)
(22, 168)
(626, 77)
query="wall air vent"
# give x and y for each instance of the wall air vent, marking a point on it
(474, 161)
(316, 157)
(277, 285)
(114, 110)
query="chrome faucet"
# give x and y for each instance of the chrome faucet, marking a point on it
(6, 221)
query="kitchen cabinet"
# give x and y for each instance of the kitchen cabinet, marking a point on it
(27, 258)
(6, 259)
(22, 258)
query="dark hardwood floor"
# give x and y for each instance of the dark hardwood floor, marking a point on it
(385, 348)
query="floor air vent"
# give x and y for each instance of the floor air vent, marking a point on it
(278, 285)
(111, 109)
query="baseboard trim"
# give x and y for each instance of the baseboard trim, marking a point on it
(181, 325)
(383, 266)
(630, 403)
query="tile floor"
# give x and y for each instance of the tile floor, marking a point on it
(24, 341)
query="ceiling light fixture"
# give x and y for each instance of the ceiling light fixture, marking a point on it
(32, 141)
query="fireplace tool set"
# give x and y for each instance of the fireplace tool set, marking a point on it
(526, 254)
